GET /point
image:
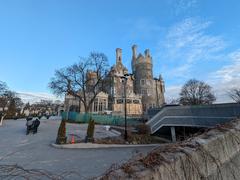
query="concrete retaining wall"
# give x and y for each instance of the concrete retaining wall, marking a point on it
(210, 156)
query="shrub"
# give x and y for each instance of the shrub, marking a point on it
(90, 131)
(143, 129)
(140, 139)
(61, 137)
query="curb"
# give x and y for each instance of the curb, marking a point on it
(99, 146)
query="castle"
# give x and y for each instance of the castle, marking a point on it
(143, 91)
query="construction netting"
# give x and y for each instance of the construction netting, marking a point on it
(99, 119)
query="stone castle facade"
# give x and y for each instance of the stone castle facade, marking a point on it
(143, 91)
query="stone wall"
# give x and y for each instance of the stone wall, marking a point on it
(212, 155)
(132, 109)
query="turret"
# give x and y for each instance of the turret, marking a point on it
(118, 55)
(147, 53)
(148, 56)
(134, 51)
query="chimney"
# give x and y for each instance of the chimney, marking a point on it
(147, 53)
(118, 55)
(134, 51)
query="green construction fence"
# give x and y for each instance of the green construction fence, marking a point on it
(99, 119)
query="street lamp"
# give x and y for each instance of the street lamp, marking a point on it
(156, 79)
(68, 92)
(125, 78)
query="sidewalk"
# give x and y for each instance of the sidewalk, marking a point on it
(98, 146)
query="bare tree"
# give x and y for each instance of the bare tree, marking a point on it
(235, 95)
(10, 104)
(3, 93)
(83, 80)
(196, 92)
(3, 88)
(10, 100)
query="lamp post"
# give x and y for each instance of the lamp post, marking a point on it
(68, 93)
(157, 92)
(125, 78)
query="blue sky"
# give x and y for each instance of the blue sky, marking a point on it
(187, 39)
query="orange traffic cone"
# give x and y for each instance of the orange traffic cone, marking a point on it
(72, 140)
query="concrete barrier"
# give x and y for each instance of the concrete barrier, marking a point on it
(211, 156)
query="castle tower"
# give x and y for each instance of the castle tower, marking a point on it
(152, 90)
(147, 56)
(118, 56)
(147, 53)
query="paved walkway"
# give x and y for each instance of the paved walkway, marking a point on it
(100, 146)
(36, 152)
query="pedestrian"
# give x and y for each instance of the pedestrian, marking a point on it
(29, 124)
(36, 123)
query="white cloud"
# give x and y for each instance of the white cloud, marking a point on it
(140, 29)
(184, 5)
(190, 41)
(172, 93)
(187, 43)
(33, 97)
(182, 71)
(187, 46)
(231, 72)
(224, 79)
(227, 77)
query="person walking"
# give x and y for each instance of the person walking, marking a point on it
(29, 124)
(36, 123)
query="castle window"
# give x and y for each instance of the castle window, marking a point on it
(104, 104)
(144, 107)
(135, 101)
(151, 105)
(142, 82)
(143, 91)
(100, 106)
(95, 105)
(119, 101)
(129, 101)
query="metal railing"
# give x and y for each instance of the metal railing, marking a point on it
(201, 115)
